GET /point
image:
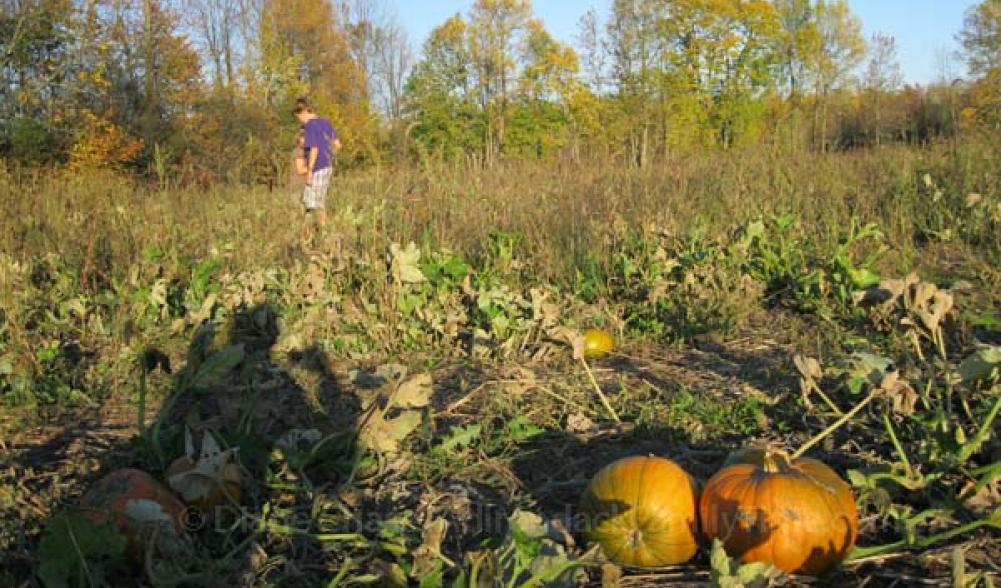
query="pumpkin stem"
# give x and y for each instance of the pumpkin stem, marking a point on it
(775, 461)
(834, 426)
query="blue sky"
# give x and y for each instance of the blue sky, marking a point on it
(924, 29)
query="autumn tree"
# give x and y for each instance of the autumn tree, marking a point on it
(842, 48)
(882, 77)
(981, 40)
(797, 44)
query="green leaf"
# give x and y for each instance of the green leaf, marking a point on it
(460, 437)
(217, 368)
(864, 278)
(981, 365)
(74, 547)
(757, 574)
(521, 429)
(719, 561)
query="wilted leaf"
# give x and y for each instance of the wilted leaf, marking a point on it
(571, 337)
(206, 470)
(415, 392)
(867, 367)
(985, 499)
(545, 312)
(405, 264)
(384, 435)
(902, 395)
(611, 575)
(808, 367)
(580, 423)
(428, 555)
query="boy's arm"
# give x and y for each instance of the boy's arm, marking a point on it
(313, 153)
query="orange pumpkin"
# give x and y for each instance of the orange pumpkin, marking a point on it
(136, 503)
(797, 515)
(642, 511)
(597, 343)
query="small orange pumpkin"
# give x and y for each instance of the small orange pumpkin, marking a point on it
(136, 502)
(797, 515)
(642, 511)
(597, 343)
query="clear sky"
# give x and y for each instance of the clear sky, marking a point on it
(924, 29)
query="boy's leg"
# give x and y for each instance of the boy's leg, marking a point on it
(321, 184)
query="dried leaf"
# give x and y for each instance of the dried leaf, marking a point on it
(900, 392)
(579, 423)
(985, 499)
(571, 337)
(428, 553)
(384, 435)
(415, 392)
(205, 471)
(808, 367)
(611, 575)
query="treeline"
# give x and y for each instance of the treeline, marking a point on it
(201, 90)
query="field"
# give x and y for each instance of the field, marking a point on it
(403, 390)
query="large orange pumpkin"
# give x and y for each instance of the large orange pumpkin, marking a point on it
(797, 515)
(136, 503)
(642, 511)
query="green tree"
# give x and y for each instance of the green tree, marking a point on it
(842, 48)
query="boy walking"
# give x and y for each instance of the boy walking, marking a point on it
(321, 143)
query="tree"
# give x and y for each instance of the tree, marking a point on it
(633, 44)
(213, 24)
(883, 77)
(35, 59)
(981, 37)
(440, 104)
(842, 48)
(592, 51)
(798, 43)
(497, 28)
(381, 48)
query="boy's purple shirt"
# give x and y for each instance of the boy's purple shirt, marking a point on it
(320, 134)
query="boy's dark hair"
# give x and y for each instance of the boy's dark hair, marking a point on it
(302, 105)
